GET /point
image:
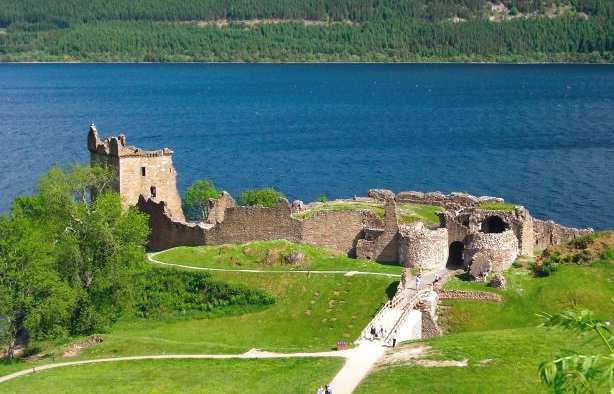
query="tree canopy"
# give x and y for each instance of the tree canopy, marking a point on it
(196, 199)
(264, 197)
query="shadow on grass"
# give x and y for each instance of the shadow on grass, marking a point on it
(392, 289)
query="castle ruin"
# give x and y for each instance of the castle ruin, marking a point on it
(466, 236)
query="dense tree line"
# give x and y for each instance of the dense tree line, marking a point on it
(541, 39)
(65, 12)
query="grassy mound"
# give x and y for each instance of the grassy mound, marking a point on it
(498, 206)
(407, 213)
(340, 205)
(270, 255)
(183, 376)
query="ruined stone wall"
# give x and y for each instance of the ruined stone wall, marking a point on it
(451, 201)
(167, 233)
(386, 246)
(548, 233)
(469, 295)
(217, 207)
(246, 224)
(422, 247)
(498, 249)
(339, 230)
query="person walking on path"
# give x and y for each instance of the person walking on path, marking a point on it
(328, 390)
(381, 331)
(418, 280)
(320, 390)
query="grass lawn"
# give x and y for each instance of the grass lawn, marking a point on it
(183, 376)
(269, 255)
(514, 356)
(498, 206)
(312, 312)
(571, 286)
(409, 213)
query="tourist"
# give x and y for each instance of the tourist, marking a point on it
(418, 279)
(436, 280)
(373, 333)
(328, 390)
(381, 331)
(394, 341)
(320, 390)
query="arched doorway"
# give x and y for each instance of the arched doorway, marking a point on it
(493, 224)
(455, 255)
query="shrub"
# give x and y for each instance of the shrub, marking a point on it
(547, 266)
(322, 198)
(163, 291)
(264, 197)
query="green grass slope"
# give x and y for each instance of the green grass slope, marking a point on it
(182, 376)
(501, 341)
(269, 255)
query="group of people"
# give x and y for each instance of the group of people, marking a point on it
(324, 390)
(379, 334)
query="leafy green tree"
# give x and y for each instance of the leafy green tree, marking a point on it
(264, 197)
(97, 244)
(32, 295)
(575, 372)
(196, 199)
(322, 198)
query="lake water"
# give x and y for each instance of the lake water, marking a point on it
(540, 135)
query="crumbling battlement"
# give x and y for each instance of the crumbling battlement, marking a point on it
(450, 201)
(137, 172)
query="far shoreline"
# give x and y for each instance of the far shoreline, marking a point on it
(314, 63)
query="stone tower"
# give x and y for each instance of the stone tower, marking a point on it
(137, 171)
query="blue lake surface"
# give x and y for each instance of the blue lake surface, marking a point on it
(539, 135)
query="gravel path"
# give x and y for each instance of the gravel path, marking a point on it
(251, 354)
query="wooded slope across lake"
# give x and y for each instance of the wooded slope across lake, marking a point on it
(311, 30)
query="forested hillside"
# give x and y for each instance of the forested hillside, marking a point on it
(309, 30)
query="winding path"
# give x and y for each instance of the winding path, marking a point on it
(151, 257)
(359, 362)
(251, 354)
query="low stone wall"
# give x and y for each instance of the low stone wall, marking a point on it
(452, 200)
(468, 295)
(548, 233)
(167, 233)
(423, 248)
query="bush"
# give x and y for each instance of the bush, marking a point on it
(546, 267)
(265, 197)
(163, 291)
(322, 198)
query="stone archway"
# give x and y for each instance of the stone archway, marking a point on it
(493, 224)
(455, 255)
